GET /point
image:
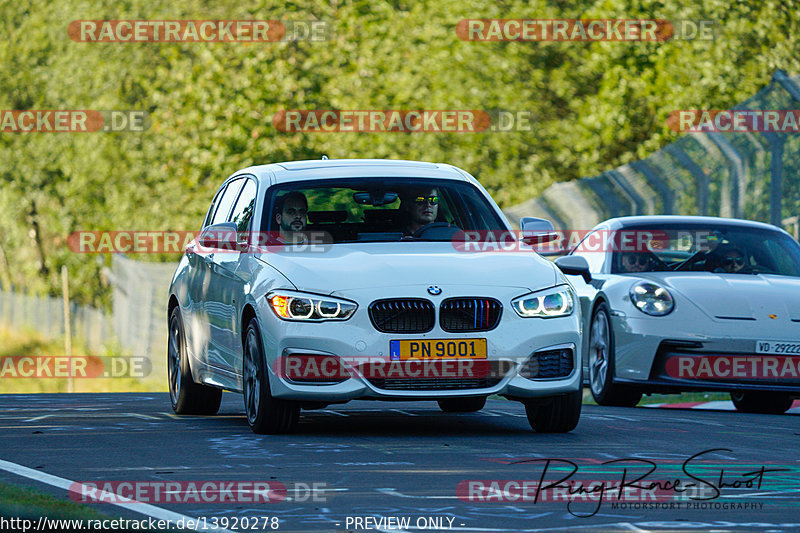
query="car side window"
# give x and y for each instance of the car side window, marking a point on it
(212, 209)
(226, 201)
(243, 210)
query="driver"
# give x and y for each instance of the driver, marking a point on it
(421, 208)
(636, 262)
(730, 260)
(290, 215)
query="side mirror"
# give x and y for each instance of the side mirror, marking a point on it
(574, 265)
(222, 236)
(537, 230)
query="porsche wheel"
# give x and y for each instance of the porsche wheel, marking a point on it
(601, 364)
(774, 403)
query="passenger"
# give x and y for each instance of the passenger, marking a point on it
(421, 209)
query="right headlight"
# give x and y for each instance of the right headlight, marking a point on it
(652, 299)
(299, 306)
(549, 303)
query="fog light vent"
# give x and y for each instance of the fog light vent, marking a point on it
(548, 364)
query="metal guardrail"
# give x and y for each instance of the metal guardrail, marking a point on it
(137, 323)
(744, 175)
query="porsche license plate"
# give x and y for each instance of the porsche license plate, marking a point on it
(402, 350)
(778, 347)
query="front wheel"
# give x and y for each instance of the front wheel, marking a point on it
(559, 415)
(773, 403)
(265, 414)
(602, 361)
(462, 405)
(187, 397)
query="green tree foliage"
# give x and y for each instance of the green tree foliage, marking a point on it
(595, 105)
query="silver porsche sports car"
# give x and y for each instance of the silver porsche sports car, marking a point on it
(320, 282)
(681, 303)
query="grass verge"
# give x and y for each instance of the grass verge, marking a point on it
(26, 343)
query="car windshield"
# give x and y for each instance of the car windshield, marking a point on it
(377, 210)
(706, 248)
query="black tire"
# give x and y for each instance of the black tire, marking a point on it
(186, 396)
(265, 414)
(602, 361)
(559, 415)
(462, 405)
(771, 403)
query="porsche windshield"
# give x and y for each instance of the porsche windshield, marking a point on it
(378, 210)
(706, 248)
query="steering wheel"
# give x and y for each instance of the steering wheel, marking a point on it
(432, 228)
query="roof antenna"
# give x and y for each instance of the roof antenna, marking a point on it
(324, 157)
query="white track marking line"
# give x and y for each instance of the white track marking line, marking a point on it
(512, 414)
(330, 412)
(721, 405)
(393, 492)
(140, 415)
(403, 412)
(37, 418)
(144, 508)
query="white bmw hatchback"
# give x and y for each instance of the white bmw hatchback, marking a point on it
(319, 282)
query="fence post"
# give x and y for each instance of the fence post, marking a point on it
(776, 181)
(67, 330)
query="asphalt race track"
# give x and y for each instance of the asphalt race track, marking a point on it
(375, 466)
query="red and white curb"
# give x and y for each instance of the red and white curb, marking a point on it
(724, 405)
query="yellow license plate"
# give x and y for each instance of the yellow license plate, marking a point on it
(402, 350)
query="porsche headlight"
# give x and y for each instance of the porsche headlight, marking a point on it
(300, 307)
(652, 299)
(550, 303)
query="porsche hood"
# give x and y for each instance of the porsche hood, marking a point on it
(736, 296)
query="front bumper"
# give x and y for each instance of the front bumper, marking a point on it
(652, 354)
(356, 342)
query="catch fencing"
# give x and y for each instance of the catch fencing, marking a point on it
(137, 323)
(751, 175)
(45, 315)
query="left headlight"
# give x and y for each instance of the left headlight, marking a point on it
(652, 299)
(549, 303)
(309, 307)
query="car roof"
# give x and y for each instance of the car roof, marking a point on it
(643, 220)
(344, 168)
